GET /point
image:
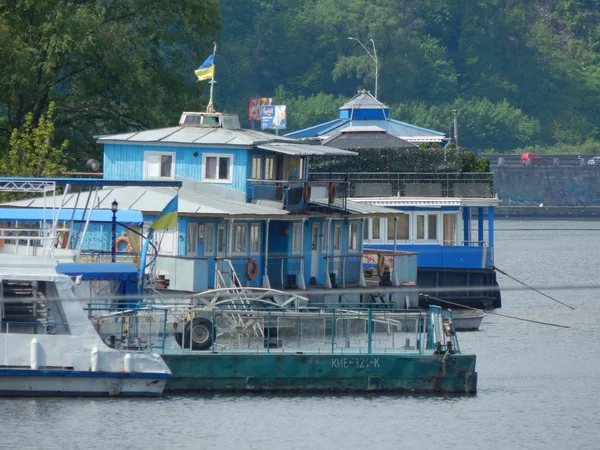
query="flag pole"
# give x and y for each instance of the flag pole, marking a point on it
(209, 107)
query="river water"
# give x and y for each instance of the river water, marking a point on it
(539, 385)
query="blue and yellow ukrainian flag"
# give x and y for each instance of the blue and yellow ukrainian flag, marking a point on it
(168, 216)
(207, 69)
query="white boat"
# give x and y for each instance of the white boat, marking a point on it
(467, 319)
(48, 346)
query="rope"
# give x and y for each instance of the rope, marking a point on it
(494, 313)
(531, 287)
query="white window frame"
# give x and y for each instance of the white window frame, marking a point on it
(147, 154)
(269, 167)
(219, 156)
(192, 239)
(426, 228)
(337, 236)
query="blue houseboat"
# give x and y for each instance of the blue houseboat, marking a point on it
(247, 214)
(447, 218)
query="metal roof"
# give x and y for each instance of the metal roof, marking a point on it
(427, 202)
(153, 200)
(366, 137)
(363, 100)
(86, 182)
(304, 149)
(366, 209)
(28, 214)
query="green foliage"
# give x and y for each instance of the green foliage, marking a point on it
(31, 153)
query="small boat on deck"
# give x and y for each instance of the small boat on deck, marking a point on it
(467, 319)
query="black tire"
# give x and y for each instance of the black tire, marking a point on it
(201, 331)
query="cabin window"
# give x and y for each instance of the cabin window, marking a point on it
(255, 237)
(402, 228)
(296, 237)
(427, 227)
(192, 239)
(209, 238)
(432, 227)
(239, 238)
(218, 168)
(269, 168)
(353, 235)
(337, 236)
(159, 165)
(449, 232)
(256, 168)
(221, 242)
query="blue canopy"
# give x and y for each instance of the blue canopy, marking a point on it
(125, 274)
(28, 214)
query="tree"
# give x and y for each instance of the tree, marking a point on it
(109, 65)
(31, 153)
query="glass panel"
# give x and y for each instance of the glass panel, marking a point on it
(269, 168)
(192, 238)
(449, 231)
(255, 238)
(366, 228)
(337, 236)
(152, 165)
(239, 238)
(221, 239)
(432, 226)
(210, 168)
(296, 237)
(166, 163)
(420, 227)
(403, 227)
(376, 232)
(256, 167)
(223, 168)
(353, 236)
(209, 239)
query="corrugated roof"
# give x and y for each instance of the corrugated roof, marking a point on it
(29, 214)
(363, 100)
(153, 200)
(366, 139)
(304, 149)
(399, 202)
(352, 207)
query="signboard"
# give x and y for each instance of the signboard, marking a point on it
(254, 108)
(273, 117)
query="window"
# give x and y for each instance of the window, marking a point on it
(255, 237)
(402, 228)
(449, 229)
(209, 238)
(269, 168)
(239, 238)
(296, 237)
(432, 226)
(192, 238)
(221, 242)
(353, 236)
(337, 236)
(159, 165)
(256, 168)
(218, 168)
(376, 230)
(427, 226)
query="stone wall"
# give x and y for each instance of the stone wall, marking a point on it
(547, 186)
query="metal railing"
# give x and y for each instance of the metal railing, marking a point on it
(410, 184)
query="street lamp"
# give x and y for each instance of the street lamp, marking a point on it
(373, 57)
(114, 207)
(455, 116)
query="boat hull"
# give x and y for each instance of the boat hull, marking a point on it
(69, 383)
(205, 371)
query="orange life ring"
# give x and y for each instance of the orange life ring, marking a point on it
(306, 193)
(251, 269)
(122, 239)
(331, 192)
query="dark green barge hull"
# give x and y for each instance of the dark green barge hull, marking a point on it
(289, 372)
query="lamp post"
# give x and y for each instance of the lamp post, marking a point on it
(454, 113)
(373, 57)
(114, 207)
